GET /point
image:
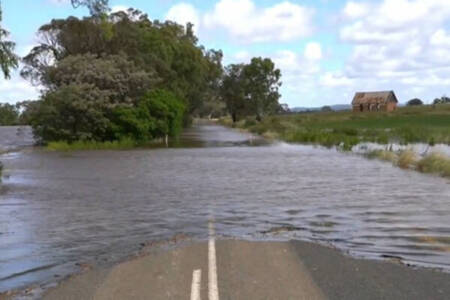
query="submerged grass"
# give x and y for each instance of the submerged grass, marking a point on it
(425, 124)
(92, 145)
(407, 159)
(435, 163)
(383, 155)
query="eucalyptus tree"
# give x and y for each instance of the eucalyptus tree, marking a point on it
(96, 7)
(251, 89)
(233, 91)
(262, 82)
(8, 60)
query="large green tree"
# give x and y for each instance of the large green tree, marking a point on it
(168, 49)
(233, 91)
(8, 60)
(414, 102)
(262, 81)
(251, 89)
(96, 71)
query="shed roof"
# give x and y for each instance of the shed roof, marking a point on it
(374, 97)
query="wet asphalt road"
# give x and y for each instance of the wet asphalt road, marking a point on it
(257, 270)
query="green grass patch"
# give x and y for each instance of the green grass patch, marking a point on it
(125, 143)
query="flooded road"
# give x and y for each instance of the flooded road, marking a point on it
(15, 137)
(60, 209)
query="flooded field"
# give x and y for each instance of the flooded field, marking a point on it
(60, 209)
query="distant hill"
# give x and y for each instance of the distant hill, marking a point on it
(336, 107)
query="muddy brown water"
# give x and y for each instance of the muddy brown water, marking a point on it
(60, 209)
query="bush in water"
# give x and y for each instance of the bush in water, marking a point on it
(158, 114)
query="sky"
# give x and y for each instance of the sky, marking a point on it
(326, 49)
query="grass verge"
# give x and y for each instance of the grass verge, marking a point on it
(92, 145)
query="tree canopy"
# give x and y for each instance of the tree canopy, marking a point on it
(443, 100)
(9, 114)
(99, 72)
(167, 50)
(414, 102)
(251, 89)
(120, 75)
(96, 7)
(8, 60)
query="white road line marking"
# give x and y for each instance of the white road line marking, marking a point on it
(213, 290)
(196, 284)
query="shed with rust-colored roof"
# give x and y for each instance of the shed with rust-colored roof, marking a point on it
(374, 101)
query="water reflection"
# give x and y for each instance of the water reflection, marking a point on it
(99, 206)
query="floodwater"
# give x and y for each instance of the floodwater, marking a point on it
(60, 209)
(15, 137)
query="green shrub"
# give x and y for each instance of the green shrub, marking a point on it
(158, 113)
(71, 113)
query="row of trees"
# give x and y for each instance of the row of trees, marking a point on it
(443, 100)
(111, 76)
(17, 114)
(9, 114)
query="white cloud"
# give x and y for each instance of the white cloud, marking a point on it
(313, 51)
(399, 43)
(184, 13)
(330, 79)
(356, 10)
(17, 89)
(440, 38)
(59, 1)
(247, 23)
(117, 8)
(242, 56)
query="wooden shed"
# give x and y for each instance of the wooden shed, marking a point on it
(374, 101)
